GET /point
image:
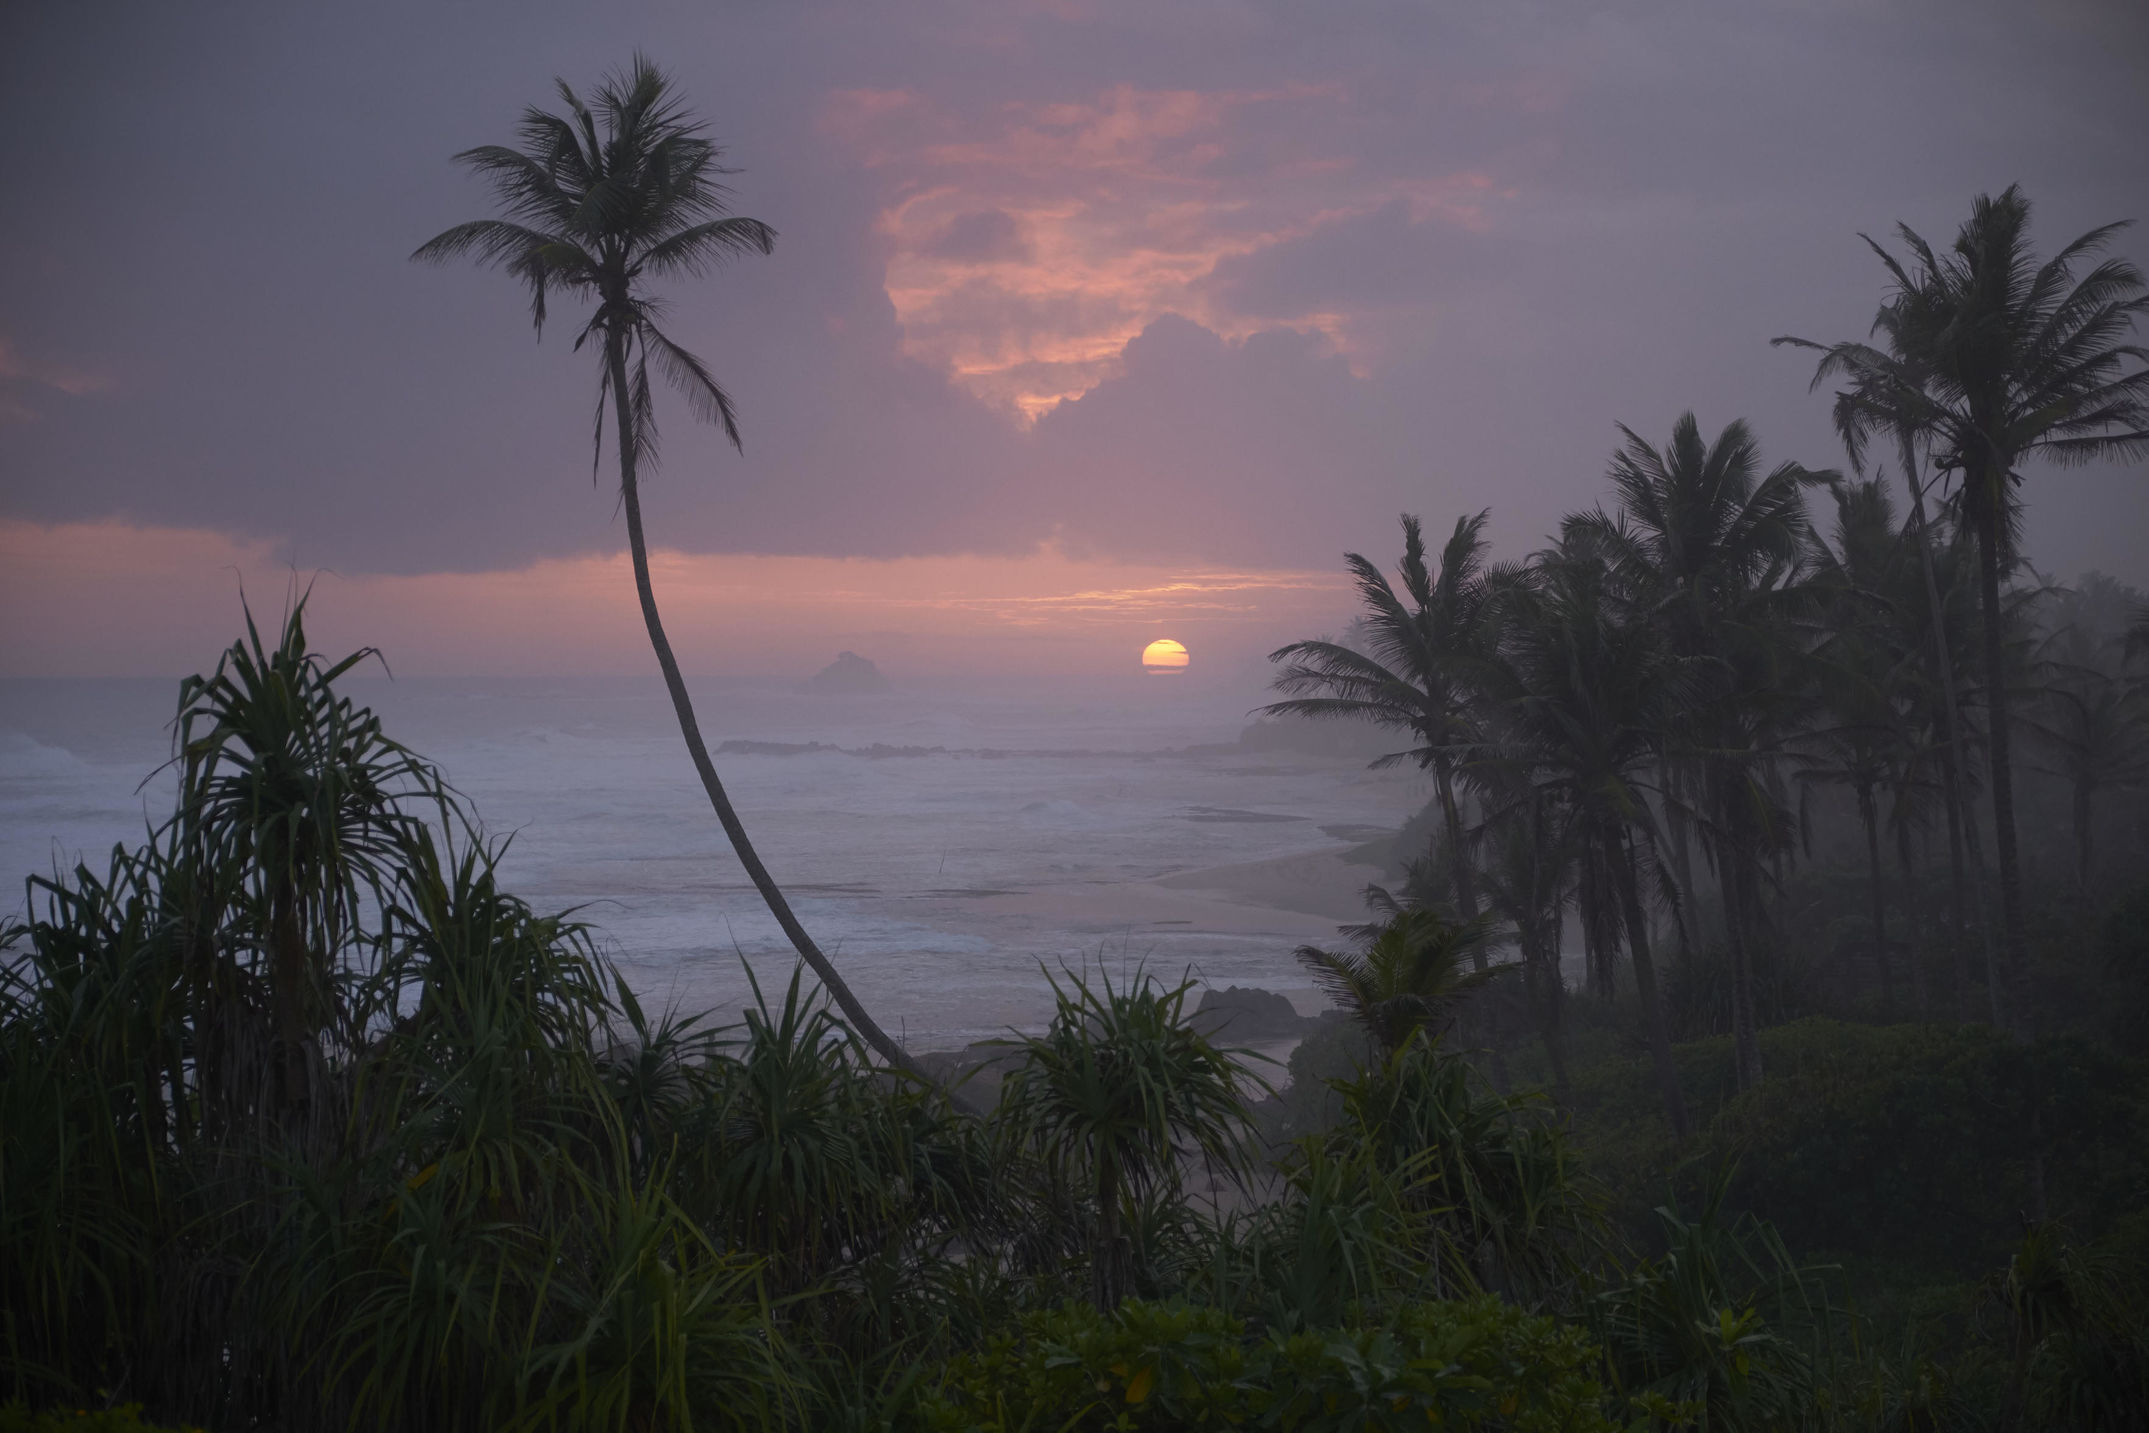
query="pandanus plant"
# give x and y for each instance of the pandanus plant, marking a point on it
(1117, 1093)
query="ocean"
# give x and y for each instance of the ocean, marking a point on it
(947, 848)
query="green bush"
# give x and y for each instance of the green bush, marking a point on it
(1915, 1142)
(1904, 1143)
(1479, 1363)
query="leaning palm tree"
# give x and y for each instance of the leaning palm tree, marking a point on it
(1414, 675)
(1409, 975)
(2016, 360)
(597, 202)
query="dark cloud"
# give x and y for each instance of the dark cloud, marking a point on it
(1431, 255)
(979, 236)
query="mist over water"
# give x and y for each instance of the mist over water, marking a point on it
(940, 844)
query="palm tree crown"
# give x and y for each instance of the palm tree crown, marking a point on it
(1410, 973)
(1425, 646)
(594, 214)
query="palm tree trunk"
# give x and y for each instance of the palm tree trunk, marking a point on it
(1598, 945)
(1621, 857)
(683, 708)
(1542, 968)
(1962, 829)
(1543, 945)
(1451, 817)
(1108, 1282)
(1745, 1056)
(1733, 869)
(2003, 781)
(2084, 832)
(1951, 793)
(1915, 915)
(1682, 866)
(1879, 897)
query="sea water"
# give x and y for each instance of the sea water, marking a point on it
(947, 848)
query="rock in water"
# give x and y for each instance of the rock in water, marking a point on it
(848, 673)
(1244, 1013)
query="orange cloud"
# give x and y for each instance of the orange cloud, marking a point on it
(1025, 249)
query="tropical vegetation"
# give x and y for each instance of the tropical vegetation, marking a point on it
(311, 1124)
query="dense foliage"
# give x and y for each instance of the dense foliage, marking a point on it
(306, 1123)
(310, 1124)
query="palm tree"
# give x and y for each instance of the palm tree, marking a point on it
(1409, 975)
(1416, 672)
(1712, 552)
(2092, 723)
(1528, 873)
(1858, 670)
(597, 213)
(1579, 702)
(2006, 360)
(1887, 391)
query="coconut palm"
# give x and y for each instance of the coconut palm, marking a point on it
(2004, 360)
(1579, 700)
(2089, 724)
(1858, 669)
(1885, 392)
(1409, 975)
(1711, 552)
(1529, 873)
(1415, 673)
(597, 202)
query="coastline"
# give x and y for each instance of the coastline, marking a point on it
(1302, 896)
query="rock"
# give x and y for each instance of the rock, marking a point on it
(1240, 1012)
(979, 1068)
(848, 673)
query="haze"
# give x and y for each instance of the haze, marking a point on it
(1087, 323)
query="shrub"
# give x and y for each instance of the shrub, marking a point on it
(1479, 1363)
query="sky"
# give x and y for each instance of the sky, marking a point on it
(1087, 323)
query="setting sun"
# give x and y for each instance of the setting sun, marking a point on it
(1164, 658)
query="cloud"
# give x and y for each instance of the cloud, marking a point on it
(1212, 284)
(981, 236)
(23, 380)
(1029, 242)
(95, 598)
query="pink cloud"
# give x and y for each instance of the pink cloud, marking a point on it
(1028, 244)
(20, 370)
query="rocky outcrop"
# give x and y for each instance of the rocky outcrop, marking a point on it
(1241, 1013)
(848, 673)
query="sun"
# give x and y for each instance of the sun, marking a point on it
(1164, 658)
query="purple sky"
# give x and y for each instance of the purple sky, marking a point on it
(1186, 285)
